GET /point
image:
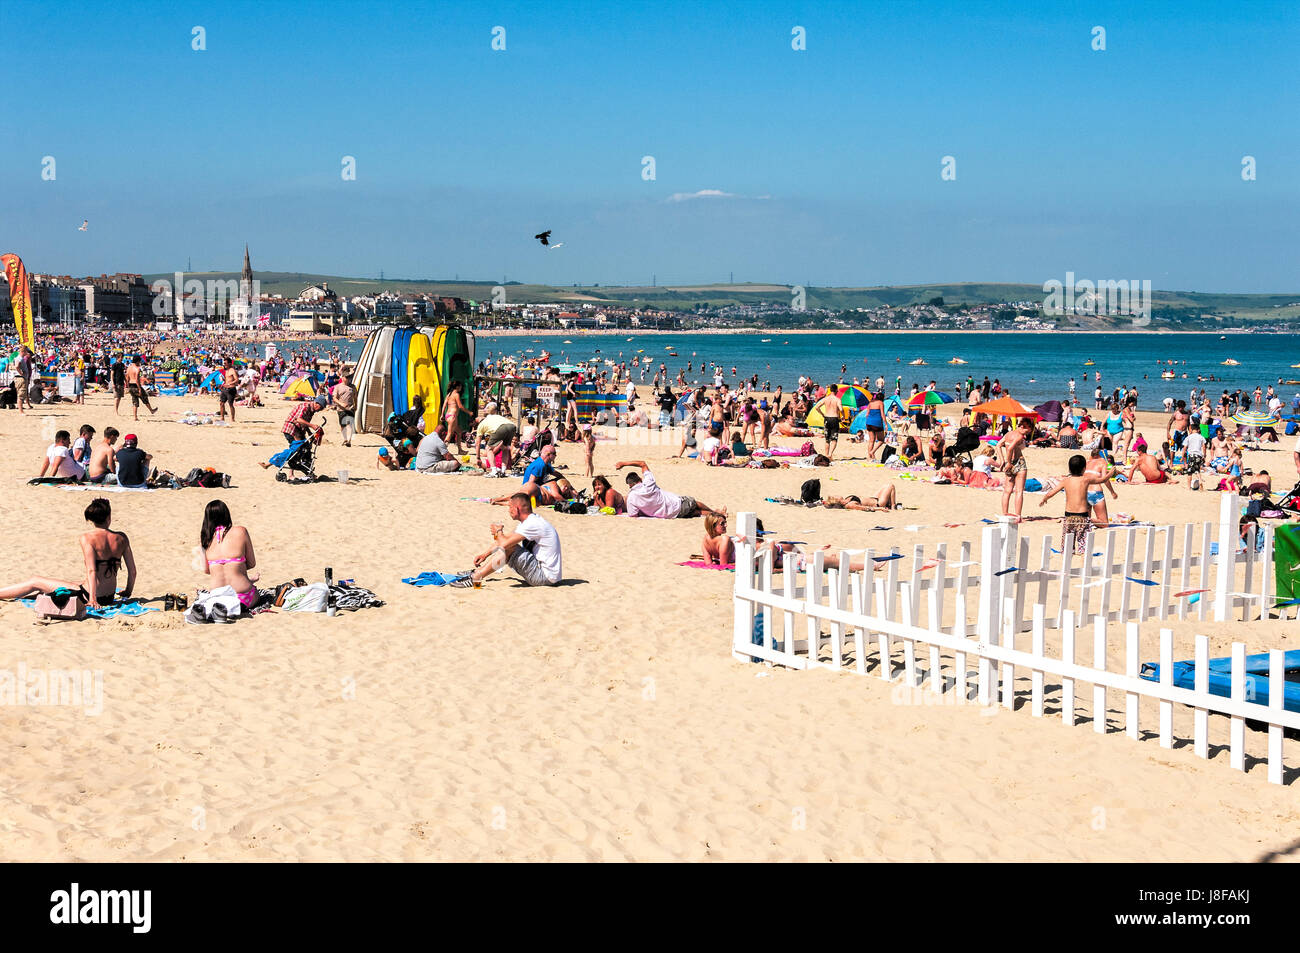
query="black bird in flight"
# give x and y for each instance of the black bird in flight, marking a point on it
(544, 237)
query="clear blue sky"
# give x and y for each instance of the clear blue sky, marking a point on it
(1117, 164)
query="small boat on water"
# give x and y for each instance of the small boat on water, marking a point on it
(919, 362)
(1089, 363)
(1167, 375)
(1230, 362)
(769, 341)
(957, 360)
(1295, 365)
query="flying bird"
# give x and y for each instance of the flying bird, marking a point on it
(544, 237)
(557, 245)
(85, 223)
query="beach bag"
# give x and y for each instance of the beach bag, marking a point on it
(806, 449)
(576, 507)
(307, 598)
(1033, 485)
(811, 491)
(61, 604)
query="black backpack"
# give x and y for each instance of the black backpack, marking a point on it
(811, 491)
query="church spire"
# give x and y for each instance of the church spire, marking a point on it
(248, 268)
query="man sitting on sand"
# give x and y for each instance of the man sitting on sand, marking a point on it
(646, 498)
(532, 550)
(543, 481)
(1076, 487)
(58, 460)
(132, 463)
(104, 551)
(1149, 467)
(432, 455)
(103, 459)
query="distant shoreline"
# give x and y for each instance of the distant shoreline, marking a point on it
(633, 332)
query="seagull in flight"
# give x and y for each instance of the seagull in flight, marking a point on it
(544, 237)
(85, 223)
(557, 245)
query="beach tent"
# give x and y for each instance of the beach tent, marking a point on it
(212, 380)
(300, 389)
(290, 380)
(1005, 407)
(894, 402)
(1049, 411)
(683, 408)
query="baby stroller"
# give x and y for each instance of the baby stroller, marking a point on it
(966, 442)
(299, 456)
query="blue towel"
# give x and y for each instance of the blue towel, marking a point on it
(433, 578)
(281, 458)
(108, 612)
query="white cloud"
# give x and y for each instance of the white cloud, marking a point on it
(701, 194)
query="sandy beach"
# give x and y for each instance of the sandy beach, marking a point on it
(603, 719)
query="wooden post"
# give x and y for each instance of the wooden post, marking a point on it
(1227, 562)
(743, 623)
(1131, 669)
(1167, 680)
(1201, 685)
(1099, 626)
(1036, 677)
(1276, 696)
(1067, 654)
(1237, 727)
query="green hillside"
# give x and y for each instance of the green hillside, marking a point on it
(1244, 308)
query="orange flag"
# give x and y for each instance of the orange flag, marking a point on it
(21, 298)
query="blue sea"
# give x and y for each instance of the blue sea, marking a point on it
(1034, 366)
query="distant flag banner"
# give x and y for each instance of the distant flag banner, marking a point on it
(21, 297)
(264, 320)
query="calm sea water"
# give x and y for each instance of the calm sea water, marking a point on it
(1033, 366)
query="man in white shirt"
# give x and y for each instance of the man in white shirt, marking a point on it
(646, 498)
(58, 460)
(532, 550)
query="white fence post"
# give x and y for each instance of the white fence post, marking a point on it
(743, 626)
(1227, 561)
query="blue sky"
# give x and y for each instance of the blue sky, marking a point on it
(1117, 164)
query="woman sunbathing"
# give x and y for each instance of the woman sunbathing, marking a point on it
(228, 553)
(104, 550)
(605, 496)
(718, 546)
(886, 499)
(955, 472)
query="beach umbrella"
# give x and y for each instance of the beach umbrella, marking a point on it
(926, 398)
(854, 397)
(1049, 411)
(1254, 418)
(1004, 407)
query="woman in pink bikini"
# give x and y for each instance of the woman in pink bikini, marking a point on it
(228, 553)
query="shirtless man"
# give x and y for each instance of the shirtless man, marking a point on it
(1076, 487)
(229, 388)
(1149, 467)
(830, 410)
(1097, 498)
(103, 459)
(104, 551)
(1176, 429)
(135, 387)
(1011, 458)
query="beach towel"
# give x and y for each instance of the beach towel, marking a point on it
(434, 578)
(1286, 561)
(107, 488)
(130, 608)
(700, 564)
(173, 391)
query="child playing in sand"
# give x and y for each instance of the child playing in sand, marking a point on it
(1076, 521)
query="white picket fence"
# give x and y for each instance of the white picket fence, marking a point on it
(821, 617)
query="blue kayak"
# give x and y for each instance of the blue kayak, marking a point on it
(1220, 677)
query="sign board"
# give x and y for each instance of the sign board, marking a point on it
(67, 386)
(548, 394)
